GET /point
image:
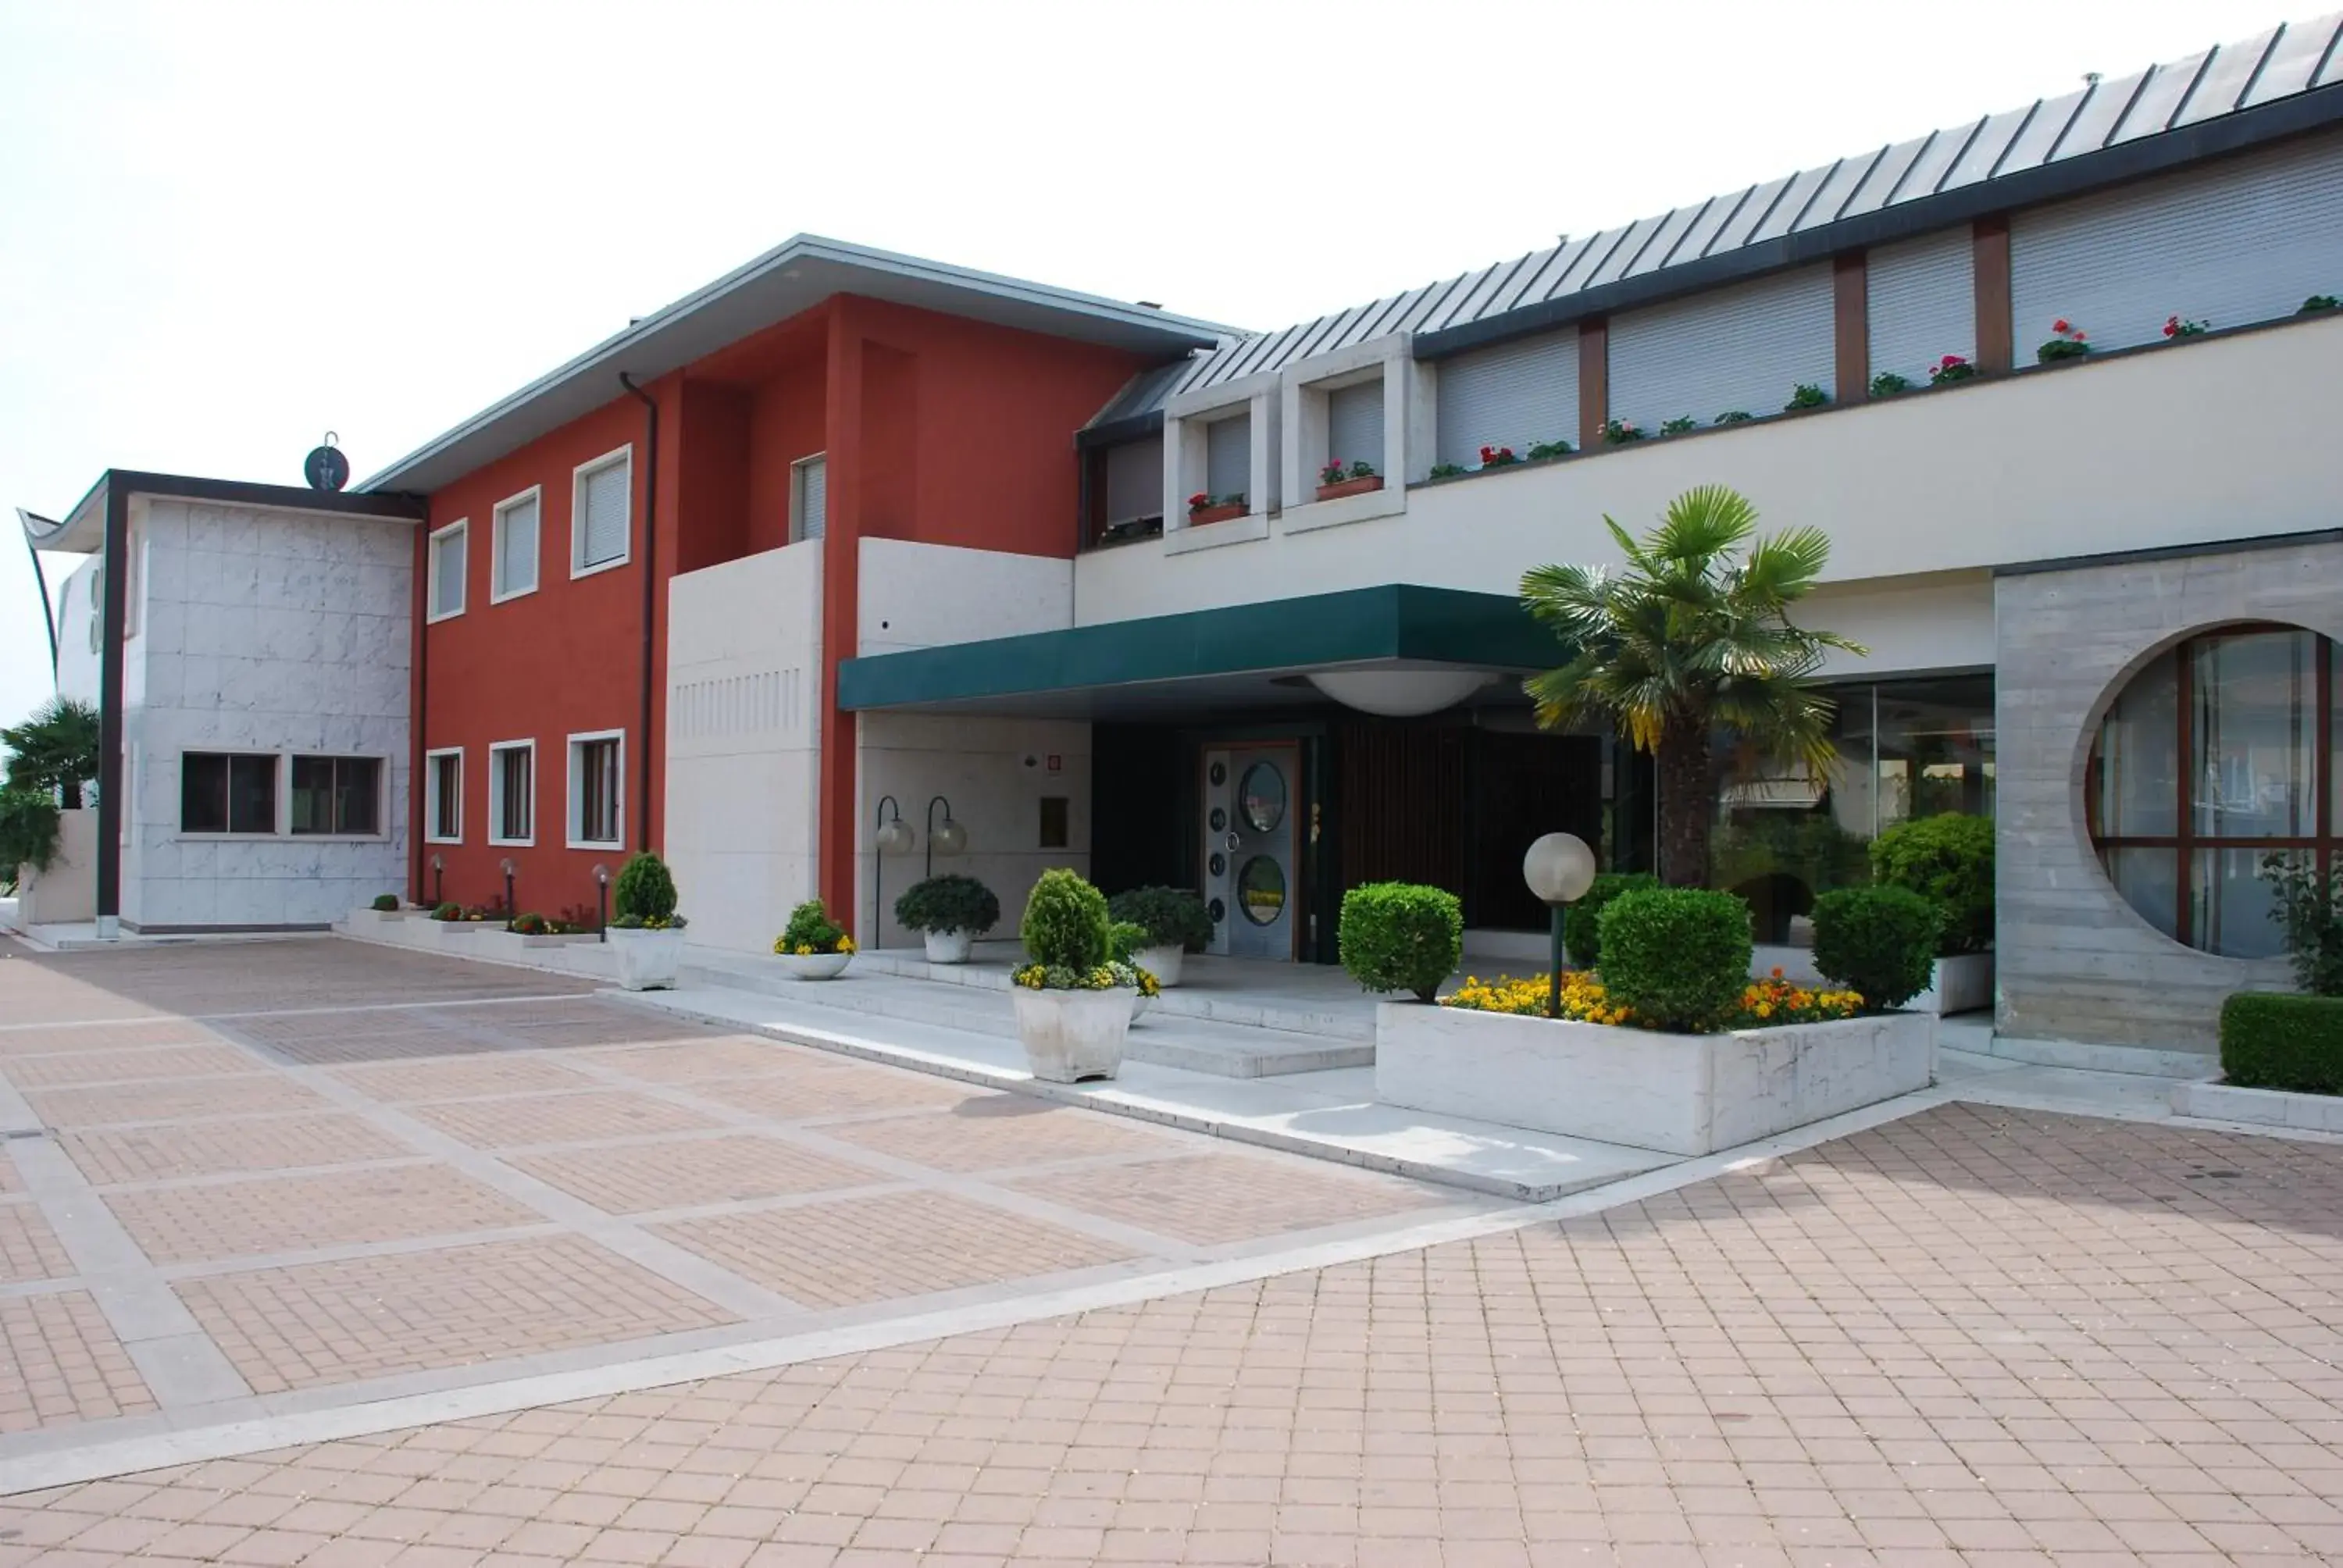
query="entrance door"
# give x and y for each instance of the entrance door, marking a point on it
(1252, 797)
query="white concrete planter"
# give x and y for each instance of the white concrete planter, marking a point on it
(947, 946)
(1963, 982)
(1071, 1035)
(1141, 1006)
(2260, 1107)
(647, 960)
(370, 916)
(498, 942)
(462, 930)
(813, 965)
(1683, 1094)
(1162, 962)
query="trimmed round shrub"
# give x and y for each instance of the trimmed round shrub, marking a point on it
(950, 902)
(1879, 942)
(1948, 858)
(1065, 923)
(1125, 938)
(450, 910)
(1581, 934)
(387, 903)
(1174, 917)
(1402, 935)
(1675, 958)
(810, 927)
(645, 889)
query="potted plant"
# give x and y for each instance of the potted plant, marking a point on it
(1124, 942)
(1888, 383)
(1620, 432)
(1947, 859)
(1074, 1002)
(1498, 457)
(1682, 424)
(1337, 478)
(1176, 924)
(1805, 394)
(1733, 417)
(1206, 507)
(1951, 367)
(1446, 471)
(813, 946)
(646, 932)
(384, 909)
(2067, 342)
(948, 913)
(2185, 326)
(2319, 303)
(1540, 451)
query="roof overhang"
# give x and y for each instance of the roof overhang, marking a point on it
(782, 283)
(81, 531)
(1236, 653)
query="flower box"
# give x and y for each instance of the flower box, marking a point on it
(1679, 1093)
(647, 957)
(1961, 982)
(1335, 492)
(1228, 512)
(1071, 1035)
(813, 965)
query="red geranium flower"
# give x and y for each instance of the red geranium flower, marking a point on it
(1199, 499)
(2082, 337)
(2061, 326)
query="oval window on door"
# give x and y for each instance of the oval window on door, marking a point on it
(1261, 890)
(1261, 797)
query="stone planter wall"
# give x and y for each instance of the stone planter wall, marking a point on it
(2259, 1107)
(1963, 982)
(1683, 1095)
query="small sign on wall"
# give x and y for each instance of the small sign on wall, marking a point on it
(1055, 834)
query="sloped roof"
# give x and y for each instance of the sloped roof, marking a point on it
(2281, 81)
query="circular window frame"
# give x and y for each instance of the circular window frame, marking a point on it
(2185, 843)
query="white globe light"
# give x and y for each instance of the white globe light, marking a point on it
(894, 838)
(1558, 868)
(1400, 693)
(950, 837)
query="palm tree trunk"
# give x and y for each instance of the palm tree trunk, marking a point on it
(1687, 803)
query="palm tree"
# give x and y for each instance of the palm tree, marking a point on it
(53, 752)
(1693, 637)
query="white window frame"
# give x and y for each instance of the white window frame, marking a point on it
(280, 807)
(578, 477)
(432, 610)
(431, 795)
(499, 592)
(797, 495)
(497, 793)
(576, 839)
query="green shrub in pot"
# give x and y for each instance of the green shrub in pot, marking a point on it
(950, 902)
(1400, 936)
(1677, 957)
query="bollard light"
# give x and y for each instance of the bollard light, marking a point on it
(603, 903)
(1559, 868)
(506, 867)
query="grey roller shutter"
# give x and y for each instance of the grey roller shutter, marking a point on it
(604, 503)
(1134, 480)
(2240, 240)
(1355, 424)
(1922, 303)
(515, 545)
(1228, 455)
(1733, 350)
(1509, 396)
(447, 572)
(813, 497)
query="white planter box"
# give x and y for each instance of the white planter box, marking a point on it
(370, 916)
(462, 930)
(495, 941)
(813, 965)
(647, 960)
(1963, 982)
(2259, 1107)
(1071, 1035)
(946, 947)
(1683, 1094)
(1163, 963)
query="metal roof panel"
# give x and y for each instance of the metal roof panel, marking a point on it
(2102, 110)
(2167, 89)
(1887, 172)
(1664, 240)
(1983, 154)
(1596, 255)
(2032, 148)
(1937, 160)
(2233, 69)
(1548, 278)
(1525, 278)
(1838, 190)
(1753, 207)
(2331, 70)
(1623, 255)
(1804, 187)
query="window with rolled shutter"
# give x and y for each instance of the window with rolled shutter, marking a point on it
(447, 570)
(1228, 455)
(515, 560)
(1355, 424)
(1922, 303)
(812, 498)
(1513, 394)
(604, 495)
(1732, 350)
(2245, 239)
(1134, 480)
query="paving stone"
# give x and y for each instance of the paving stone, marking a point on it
(267, 1215)
(636, 1179)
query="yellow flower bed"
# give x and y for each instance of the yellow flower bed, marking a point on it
(1765, 1003)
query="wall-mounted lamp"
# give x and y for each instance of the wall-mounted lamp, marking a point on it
(893, 838)
(945, 837)
(602, 898)
(505, 866)
(438, 881)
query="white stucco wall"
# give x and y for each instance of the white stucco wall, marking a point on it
(2219, 439)
(744, 741)
(77, 674)
(268, 631)
(912, 595)
(995, 773)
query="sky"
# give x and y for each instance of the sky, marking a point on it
(229, 227)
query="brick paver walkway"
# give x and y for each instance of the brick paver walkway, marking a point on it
(1972, 1338)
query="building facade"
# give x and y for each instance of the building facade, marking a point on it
(847, 538)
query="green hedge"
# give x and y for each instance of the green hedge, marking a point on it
(2283, 1039)
(1879, 942)
(1582, 933)
(1402, 935)
(1677, 957)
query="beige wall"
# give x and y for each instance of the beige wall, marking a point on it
(66, 893)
